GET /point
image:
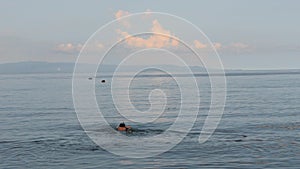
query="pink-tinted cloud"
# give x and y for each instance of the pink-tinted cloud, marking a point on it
(68, 48)
(120, 14)
(71, 48)
(217, 45)
(154, 41)
(199, 45)
(239, 45)
(98, 45)
(230, 47)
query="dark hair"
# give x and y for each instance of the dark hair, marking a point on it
(122, 124)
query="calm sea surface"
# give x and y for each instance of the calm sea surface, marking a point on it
(260, 127)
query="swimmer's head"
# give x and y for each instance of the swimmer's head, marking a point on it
(122, 124)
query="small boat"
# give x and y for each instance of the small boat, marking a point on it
(123, 127)
(90, 78)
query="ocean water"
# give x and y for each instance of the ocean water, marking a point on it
(260, 127)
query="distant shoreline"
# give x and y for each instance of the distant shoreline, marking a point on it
(107, 70)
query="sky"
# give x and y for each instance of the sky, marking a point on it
(248, 34)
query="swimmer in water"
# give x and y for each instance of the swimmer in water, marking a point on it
(123, 127)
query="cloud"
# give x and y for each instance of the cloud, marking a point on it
(199, 45)
(239, 45)
(238, 48)
(97, 45)
(230, 47)
(160, 41)
(119, 14)
(154, 41)
(217, 45)
(147, 14)
(68, 48)
(234, 48)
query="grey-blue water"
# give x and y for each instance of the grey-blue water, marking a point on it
(260, 127)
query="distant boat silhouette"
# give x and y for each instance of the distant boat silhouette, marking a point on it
(90, 78)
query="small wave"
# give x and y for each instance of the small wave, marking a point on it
(141, 132)
(282, 126)
(7, 141)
